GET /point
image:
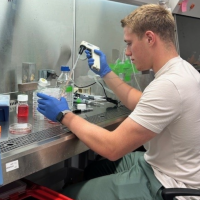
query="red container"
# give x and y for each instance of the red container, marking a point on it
(28, 190)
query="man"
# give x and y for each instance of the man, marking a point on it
(165, 118)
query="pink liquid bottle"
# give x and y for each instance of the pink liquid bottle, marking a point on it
(22, 107)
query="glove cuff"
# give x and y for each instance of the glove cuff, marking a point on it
(105, 72)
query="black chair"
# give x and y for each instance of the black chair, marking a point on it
(171, 193)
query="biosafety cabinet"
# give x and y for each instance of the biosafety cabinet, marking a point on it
(39, 36)
(44, 35)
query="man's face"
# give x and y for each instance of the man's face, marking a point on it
(137, 50)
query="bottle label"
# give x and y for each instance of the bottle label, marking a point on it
(69, 88)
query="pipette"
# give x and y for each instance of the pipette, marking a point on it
(90, 47)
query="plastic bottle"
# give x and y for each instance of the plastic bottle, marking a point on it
(66, 85)
(42, 85)
(22, 106)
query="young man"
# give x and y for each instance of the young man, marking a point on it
(165, 118)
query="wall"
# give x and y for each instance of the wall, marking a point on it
(48, 33)
(43, 32)
(38, 31)
(98, 22)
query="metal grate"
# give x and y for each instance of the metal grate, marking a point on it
(113, 113)
(25, 140)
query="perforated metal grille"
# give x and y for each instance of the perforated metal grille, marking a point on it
(38, 136)
(113, 113)
(25, 140)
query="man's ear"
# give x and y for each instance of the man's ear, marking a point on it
(150, 36)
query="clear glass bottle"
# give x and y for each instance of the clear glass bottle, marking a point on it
(66, 85)
(22, 106)
(42, 85)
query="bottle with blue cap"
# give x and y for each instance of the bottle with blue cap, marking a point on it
(66, 85)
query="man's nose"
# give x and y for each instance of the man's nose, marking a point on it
(128, 52)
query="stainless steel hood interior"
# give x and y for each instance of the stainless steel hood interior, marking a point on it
(131, 2)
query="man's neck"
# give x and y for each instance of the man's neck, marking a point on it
(162, 55)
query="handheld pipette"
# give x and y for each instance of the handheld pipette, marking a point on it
(90, 47)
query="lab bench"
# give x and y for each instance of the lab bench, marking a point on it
(48, 144)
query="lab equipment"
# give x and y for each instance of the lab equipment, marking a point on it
(22, 106)
(92, 97)
(81, 106)
(4, 113)
(47, 74)
(53, 92)
(124, 69)
(66, 85)
(42, 85)
(90, 47)
(88, 102)
(20, 128)
(4, 107)
(22, 120)
(82, 110)
(28, 72)
(104, 67)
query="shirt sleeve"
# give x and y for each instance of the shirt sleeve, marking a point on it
(159, 106)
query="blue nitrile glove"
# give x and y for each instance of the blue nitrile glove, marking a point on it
(104, 68)
(50, 106)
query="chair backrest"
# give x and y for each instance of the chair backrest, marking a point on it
(171, 193)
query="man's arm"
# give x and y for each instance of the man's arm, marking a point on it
(127, 137)
(128, 95)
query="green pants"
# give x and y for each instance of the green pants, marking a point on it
(129, 178)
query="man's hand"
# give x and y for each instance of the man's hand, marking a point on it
(104, 68)
(50, 106)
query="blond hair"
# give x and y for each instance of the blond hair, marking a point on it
(151, 17)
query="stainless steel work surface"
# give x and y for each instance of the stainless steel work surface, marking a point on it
(49, 144)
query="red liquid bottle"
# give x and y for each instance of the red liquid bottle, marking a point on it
(22, 107)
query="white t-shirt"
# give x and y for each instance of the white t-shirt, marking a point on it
(170, 107)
